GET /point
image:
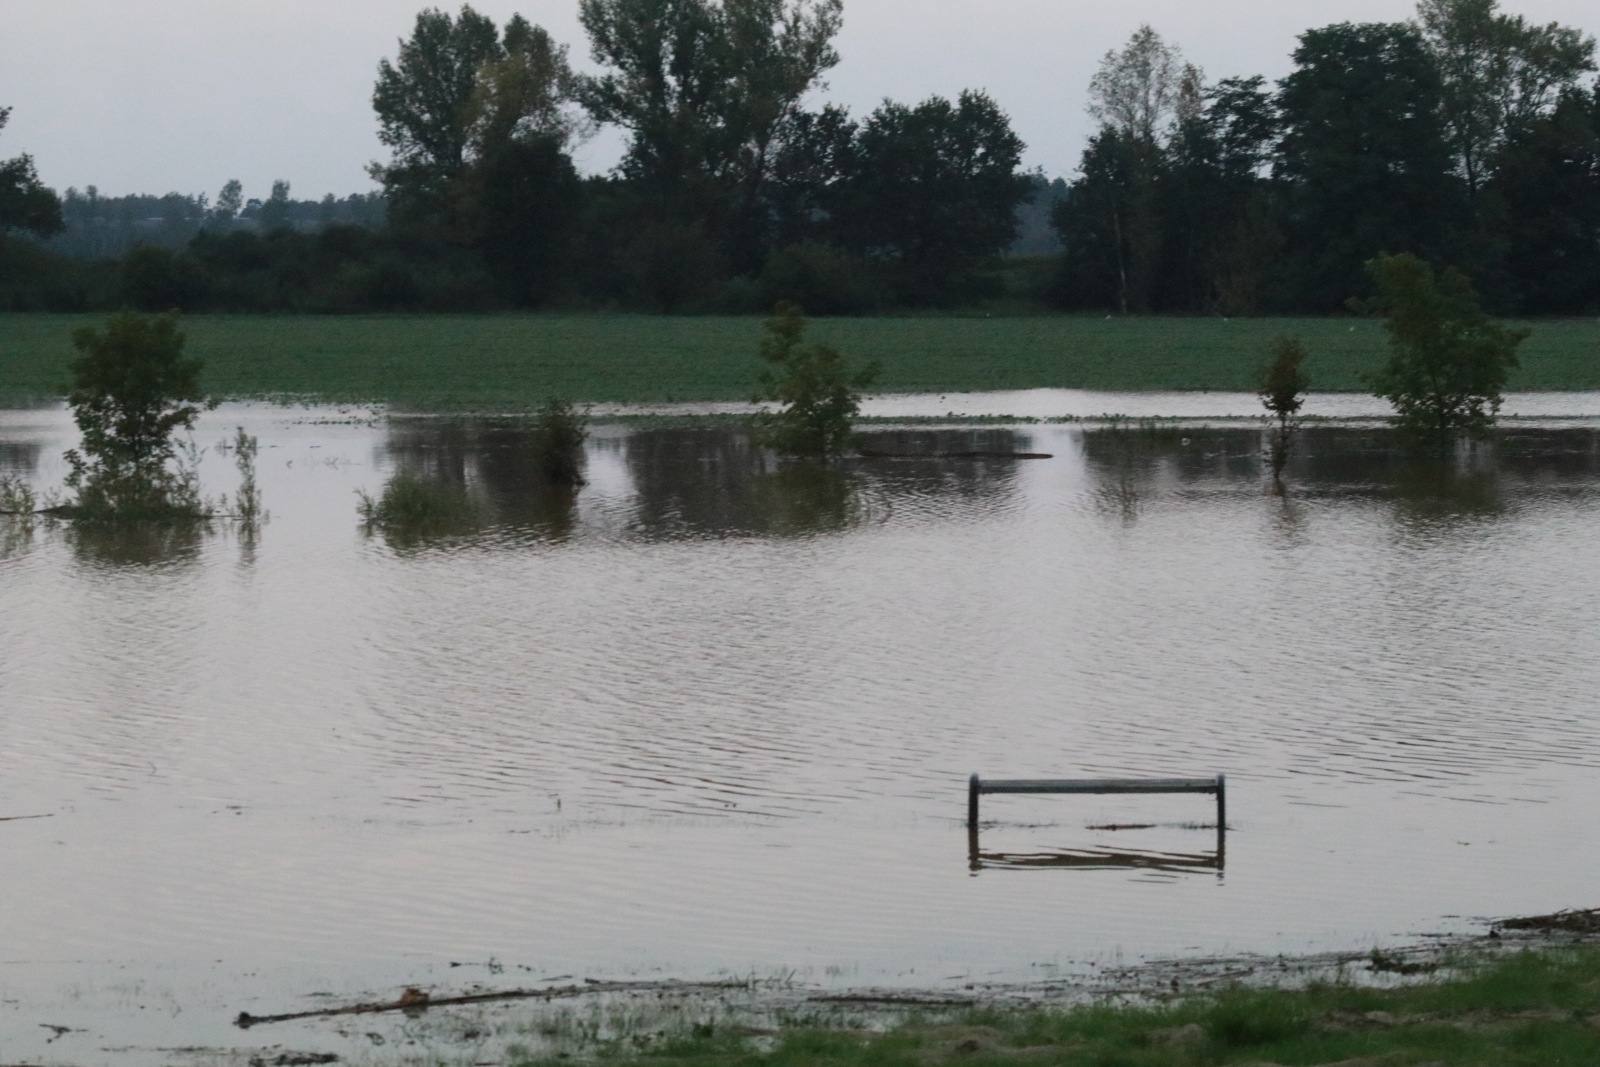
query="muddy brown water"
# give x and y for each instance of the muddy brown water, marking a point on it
(713, 716)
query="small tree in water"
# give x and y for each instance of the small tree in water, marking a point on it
(816, 390)
(558, 436)
(131, 390)
(1283, 392)
(1448, 363)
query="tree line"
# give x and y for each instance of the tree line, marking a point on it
(1468, 137)
(1465, 137)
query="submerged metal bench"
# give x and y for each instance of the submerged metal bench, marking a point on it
(1218, 785)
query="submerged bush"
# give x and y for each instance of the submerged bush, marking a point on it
(413, 508)
(247, 507)
(132, 389)
(1448, 362)
(816, 390)
(557, 442)
(16, 497)
(1282, 388)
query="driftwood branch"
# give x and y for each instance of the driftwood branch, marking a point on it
(19, 818)
(894, 998)
(414, 999)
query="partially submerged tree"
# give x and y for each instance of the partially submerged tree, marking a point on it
(558, 436)
(132, 389)
(1448, 363)
(416, 507)
(1282, 388)
(815, 388)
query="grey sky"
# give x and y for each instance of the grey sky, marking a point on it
(161, 95)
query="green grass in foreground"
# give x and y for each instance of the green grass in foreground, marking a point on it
(1533, 1008)
(515, 362)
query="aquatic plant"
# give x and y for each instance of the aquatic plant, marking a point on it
(247, 500)
(16, 496)
(816, 390)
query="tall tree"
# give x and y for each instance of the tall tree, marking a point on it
(274, 214)
(527, 95)
(1205, 178)
(933, 191)
(481, 125)
(1107, 226)
(705, 88)
(1498, 72)
(424, 102)
(808, 172)
(523, 200)
(230, 201)
(1543, 204)
(1142, 95)
(25, 202)
(1365, 153)
(1141, 90)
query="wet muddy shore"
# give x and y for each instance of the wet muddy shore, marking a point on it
(489, 1020)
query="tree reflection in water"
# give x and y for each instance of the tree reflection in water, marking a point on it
(137, 544)
(1133, 466)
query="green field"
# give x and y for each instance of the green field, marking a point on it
(513, 362)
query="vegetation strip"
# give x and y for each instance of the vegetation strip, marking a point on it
(1528, 1007)
(514, 363)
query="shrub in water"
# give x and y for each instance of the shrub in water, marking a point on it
(1283, 385)
(558, 436)
(131, 390)
(415, 508)
(816, 390)
(1447, 361)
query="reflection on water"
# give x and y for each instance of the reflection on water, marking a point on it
(1097, 860)
(696, 483)
(18, 457)
(137, 544)
(714, 712)
(1132, 463)
(1105, 858)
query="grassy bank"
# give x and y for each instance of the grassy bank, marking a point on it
(1531, 1008)
(494, 363)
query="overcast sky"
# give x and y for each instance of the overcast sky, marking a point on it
(161, 95)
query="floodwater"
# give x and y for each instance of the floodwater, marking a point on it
(714, 716)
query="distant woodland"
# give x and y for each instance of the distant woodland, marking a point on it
(1468, 136)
